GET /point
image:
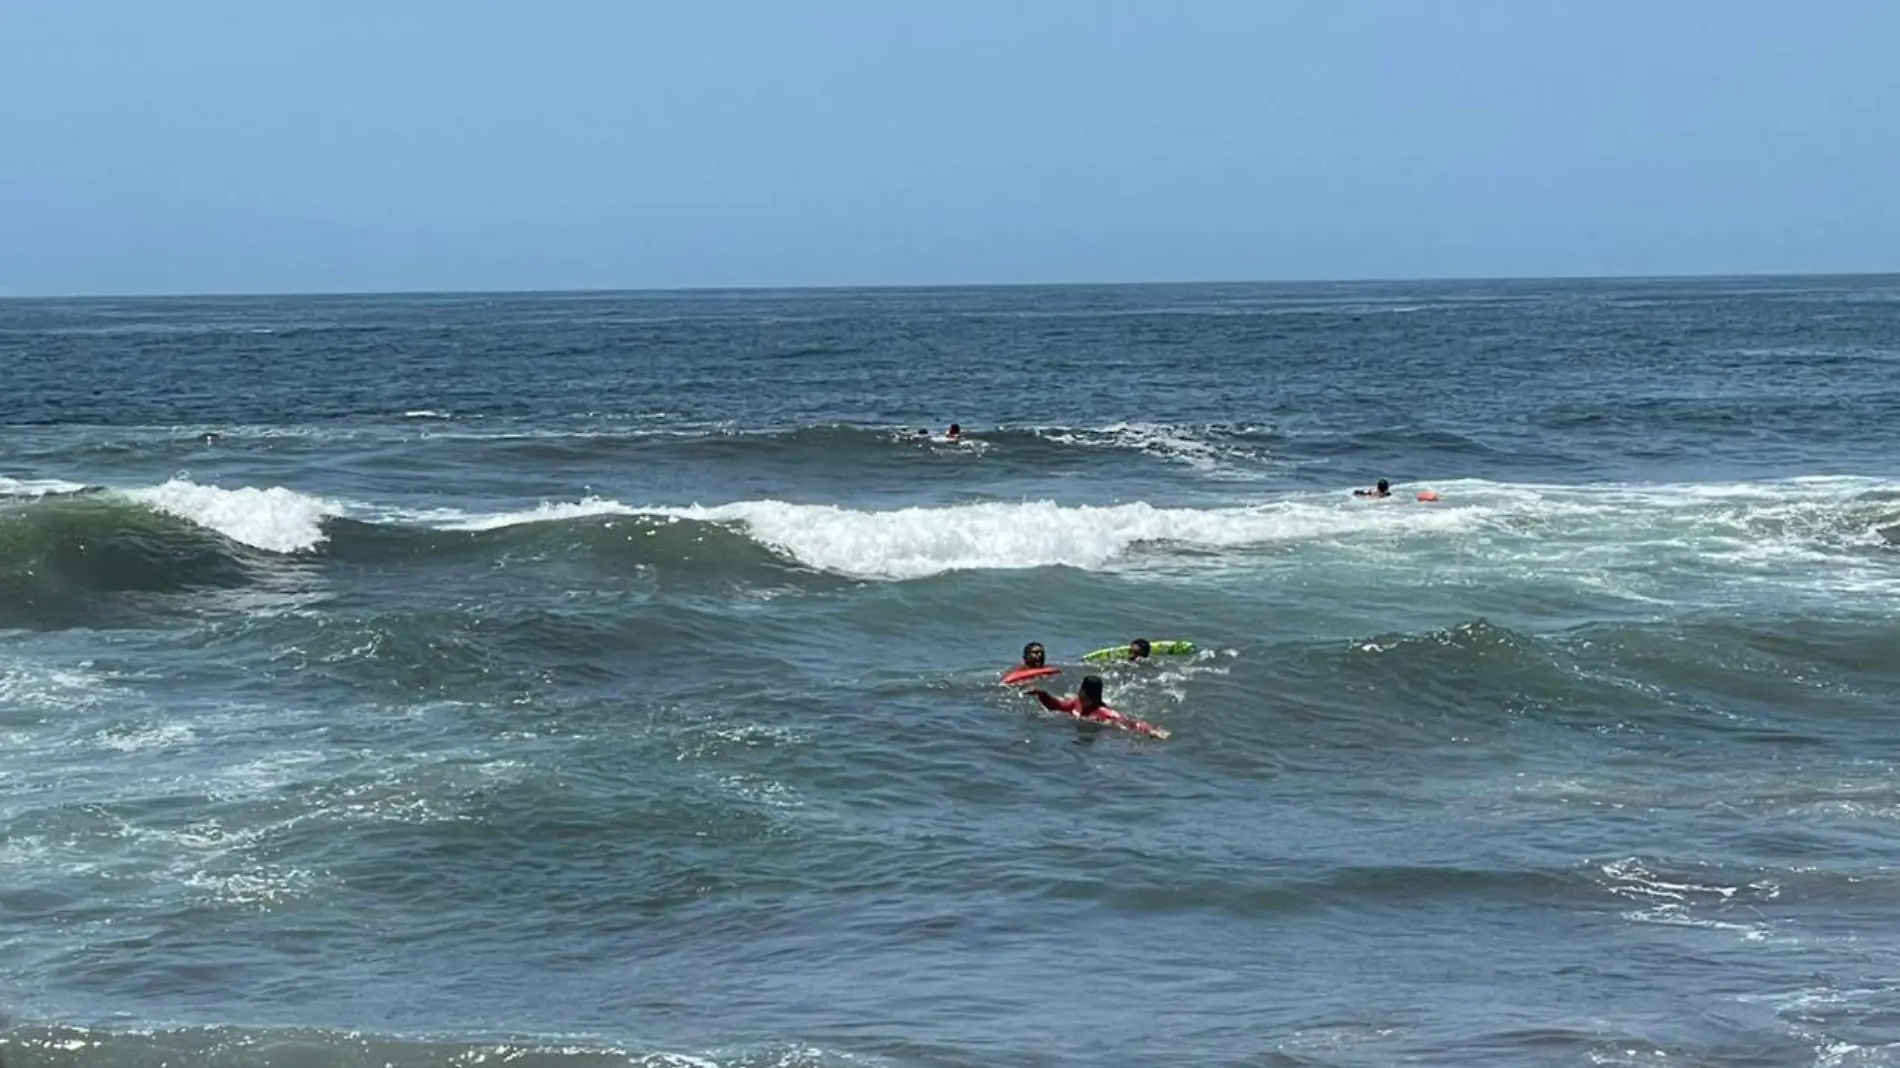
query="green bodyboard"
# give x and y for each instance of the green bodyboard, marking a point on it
(1155, 648)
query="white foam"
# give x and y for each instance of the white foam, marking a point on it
(911, 543)
(148, 736)
(1610, 537)
(276, 520)
(545, 513)
(260, 777)
(37, 487)
(758, 790)
(42, 689)
(1632, 879)
(1195, 447)
(259, 888)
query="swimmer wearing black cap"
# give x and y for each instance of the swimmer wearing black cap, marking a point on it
(1087, 705)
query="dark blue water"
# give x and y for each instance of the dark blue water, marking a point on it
(612, 679)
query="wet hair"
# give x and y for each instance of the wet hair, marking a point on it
(1139, 645)
(1384, 486)
(955, 429)
(1032, 647)
(1092, 688)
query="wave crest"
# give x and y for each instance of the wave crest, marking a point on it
(276, 519)
(918, 542)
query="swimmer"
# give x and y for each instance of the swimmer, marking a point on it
(1383, 489)
(1034, 659)
(1139, 649)
(955, 433)
(1087, 705)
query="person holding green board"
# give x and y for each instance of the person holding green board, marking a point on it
(1137, 650)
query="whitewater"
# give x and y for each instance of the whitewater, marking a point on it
(611, 679)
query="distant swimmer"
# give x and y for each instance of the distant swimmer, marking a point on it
(955, 433)
(1087, 705)
(1035, 665)
(1383, 489)
(1139, 649)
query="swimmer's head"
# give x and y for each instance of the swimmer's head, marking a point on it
(1091, 691)
(1138, 649)
(955, 430)
(1033, 656)
(1384, 486)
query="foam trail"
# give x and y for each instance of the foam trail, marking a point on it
(37, 487)
(544, 513)
(276, 520)
(1207, 449)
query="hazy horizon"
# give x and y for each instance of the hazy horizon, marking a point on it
(213, 148)
(926, 286)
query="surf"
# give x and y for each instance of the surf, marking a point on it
(1843, 523)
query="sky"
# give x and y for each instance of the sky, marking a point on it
(192, 146)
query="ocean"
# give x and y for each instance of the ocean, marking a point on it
(576, 680)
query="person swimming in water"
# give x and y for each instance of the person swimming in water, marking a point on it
(1383, 489)
(1139, 649)
(1033, 657)
(1087, 705)
(1035, 665)
(955, 433)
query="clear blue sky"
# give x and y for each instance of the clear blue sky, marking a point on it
(184, 146)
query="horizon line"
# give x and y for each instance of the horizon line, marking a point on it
(819, 288)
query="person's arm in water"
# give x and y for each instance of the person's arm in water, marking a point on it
(1102, 713)
(1053, 703)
